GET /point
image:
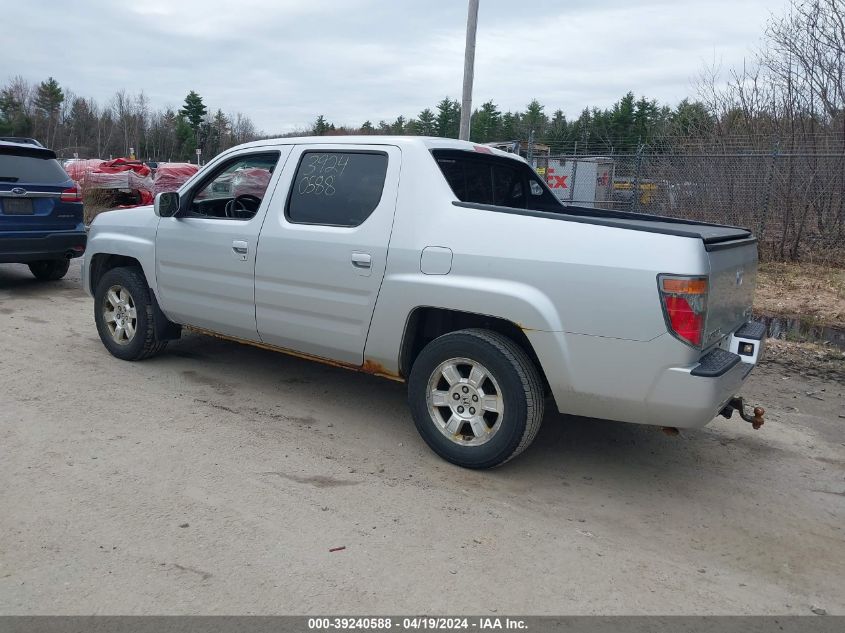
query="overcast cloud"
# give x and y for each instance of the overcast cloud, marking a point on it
(283, 62)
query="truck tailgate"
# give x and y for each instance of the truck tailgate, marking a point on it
(733, 276)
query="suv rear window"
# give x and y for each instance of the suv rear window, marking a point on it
(486, 179)
(30, 170)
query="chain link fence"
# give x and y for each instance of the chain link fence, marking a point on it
(794, 202)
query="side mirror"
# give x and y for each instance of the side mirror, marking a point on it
(166, 204)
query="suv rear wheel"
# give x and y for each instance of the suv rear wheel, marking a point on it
(49, 269)
(476, 398)
(123, 311)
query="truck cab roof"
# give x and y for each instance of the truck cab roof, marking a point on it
(426, 142)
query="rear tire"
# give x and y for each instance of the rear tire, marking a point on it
(476, 398)
(123, 311)
(49, 269)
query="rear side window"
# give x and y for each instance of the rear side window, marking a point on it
(337, 188)
(485, 179)
(30, 170)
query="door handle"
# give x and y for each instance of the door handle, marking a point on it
(362, 260)
(240, 248)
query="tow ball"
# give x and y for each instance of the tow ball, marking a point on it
(738, 404)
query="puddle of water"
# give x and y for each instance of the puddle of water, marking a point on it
(796, 329)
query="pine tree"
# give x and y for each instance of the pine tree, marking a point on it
(557, 134)
(448, 118)
(485, 123)
(412, 127)
(194, 110)
(48, 97)
(321, 126)
(622, 130)
(509, 128)
(426, 123)
(581, 130)
(534, 120)
(455, 123)
(13, 117)
(398, 127)
(691, 119)
(645, 120)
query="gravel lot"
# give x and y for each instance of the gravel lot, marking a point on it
(216, 478)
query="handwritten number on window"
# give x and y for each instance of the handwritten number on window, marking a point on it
(320, 172)
(317, 185)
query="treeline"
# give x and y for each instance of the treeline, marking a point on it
(74, 125)
(627, 125)
(77, 125)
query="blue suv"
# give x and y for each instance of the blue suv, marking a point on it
(40, 211)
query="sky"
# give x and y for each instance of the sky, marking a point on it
(283, 62)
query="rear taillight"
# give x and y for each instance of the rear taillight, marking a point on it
(684, 301)
(74, 194)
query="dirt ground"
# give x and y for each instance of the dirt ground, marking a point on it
(216, 479)
(812, 292)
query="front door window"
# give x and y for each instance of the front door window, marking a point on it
(235, 190)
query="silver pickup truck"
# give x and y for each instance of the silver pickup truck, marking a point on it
(444, 264)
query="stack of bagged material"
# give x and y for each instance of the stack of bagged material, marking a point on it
(121, 173)
(130, 180)
(78, 169)
(171, 176)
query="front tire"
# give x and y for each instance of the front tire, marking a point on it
(123, 311)
(476, 398)
(49, 269)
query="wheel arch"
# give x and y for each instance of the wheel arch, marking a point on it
(101, 263)
(426, 323)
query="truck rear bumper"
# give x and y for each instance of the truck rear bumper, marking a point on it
(28, 248)
(716, 378)
(685, 400)
(641, 381)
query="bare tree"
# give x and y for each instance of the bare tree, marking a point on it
(789, 101)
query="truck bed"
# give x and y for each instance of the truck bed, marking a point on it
(712, 235)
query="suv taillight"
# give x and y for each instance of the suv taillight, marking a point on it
(74, 194)
(684, 301)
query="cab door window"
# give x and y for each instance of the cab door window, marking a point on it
(337, 188)
(235, 190)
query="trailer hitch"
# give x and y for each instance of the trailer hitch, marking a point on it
(738, 404)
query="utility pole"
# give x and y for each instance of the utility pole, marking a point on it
(469, 68)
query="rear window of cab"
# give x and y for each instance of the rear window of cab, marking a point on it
(479, 178)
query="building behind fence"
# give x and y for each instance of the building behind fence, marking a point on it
(794, 201)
